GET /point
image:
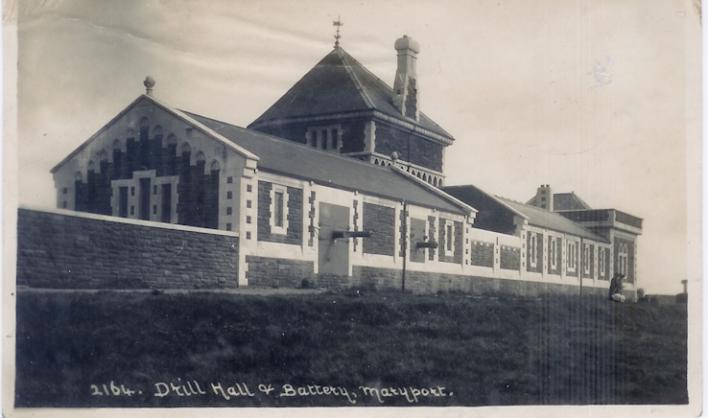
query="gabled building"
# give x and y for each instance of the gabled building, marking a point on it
(341, 107)
(339, 183)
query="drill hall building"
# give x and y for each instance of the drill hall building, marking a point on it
(340, 183)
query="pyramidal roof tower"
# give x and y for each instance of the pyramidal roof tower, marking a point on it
(342, 107)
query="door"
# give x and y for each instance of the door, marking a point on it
(333, 255)
(144, 199)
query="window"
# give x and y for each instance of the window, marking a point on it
(586, 259)
(278, 198)
(144, 198)
(553, 253)
(327, 138)
(229, 179)
(533, 249)
(64, 204)
(622, 255)
(248, 219)
(229, 210)
(279, 209)
(601, 261)
(249, 188)
(154, 209)
(229, 195)
(123, 202)
(229, 227)
(166, 203)
(65, 190)
(449, 232)
(248, 234)
(248, 204)
(572, 256)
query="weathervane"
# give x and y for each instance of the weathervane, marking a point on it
(338, 23)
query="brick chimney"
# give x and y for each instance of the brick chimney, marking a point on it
(544, 197)
(405, 86)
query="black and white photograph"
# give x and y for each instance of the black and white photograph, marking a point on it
(338, 208)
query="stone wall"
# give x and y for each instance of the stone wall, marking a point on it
(457, 242)
(482, 254)
(510, 258)
(381, 221)
(410, 147)
(294, 231)
(352, 131)
(73, 251)
(426, 282)
(278, 272)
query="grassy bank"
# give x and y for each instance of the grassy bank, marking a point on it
(483, 351)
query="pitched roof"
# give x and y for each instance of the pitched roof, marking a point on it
(338, 84)
(301, 161)
(175, 112)
(493, 213)
(568, 201)
(550, 220)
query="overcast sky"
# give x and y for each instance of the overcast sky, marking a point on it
(588, 96)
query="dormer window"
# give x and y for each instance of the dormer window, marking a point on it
(328, 138)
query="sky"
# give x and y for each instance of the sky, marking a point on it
(590, 96)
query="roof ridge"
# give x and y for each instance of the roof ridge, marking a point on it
(506, 205)
(556, 214)
(277, 101)
(434, 189)
(348, 68)
(293, 143)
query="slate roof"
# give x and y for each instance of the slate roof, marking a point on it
(550, 220)
(568, 201)
(296, 160)
(339, 84)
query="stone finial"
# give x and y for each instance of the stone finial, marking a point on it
(394, 156)
(149, 83)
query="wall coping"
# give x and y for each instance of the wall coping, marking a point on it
(107, 218)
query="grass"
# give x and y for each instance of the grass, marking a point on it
(486, 351)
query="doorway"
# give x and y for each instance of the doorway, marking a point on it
(333, 254)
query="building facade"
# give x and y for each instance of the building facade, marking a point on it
(341, 183)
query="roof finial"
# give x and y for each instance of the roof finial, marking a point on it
(338, 23)
(149, 83)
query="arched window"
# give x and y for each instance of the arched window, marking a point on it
(144, 128)
(157, 132)
(91, 166)
(172, 140)
(200, 157)
(185, 148)
(215, 166)
(102, 156)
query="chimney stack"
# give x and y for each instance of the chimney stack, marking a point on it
(405, 86)
(544, 197)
